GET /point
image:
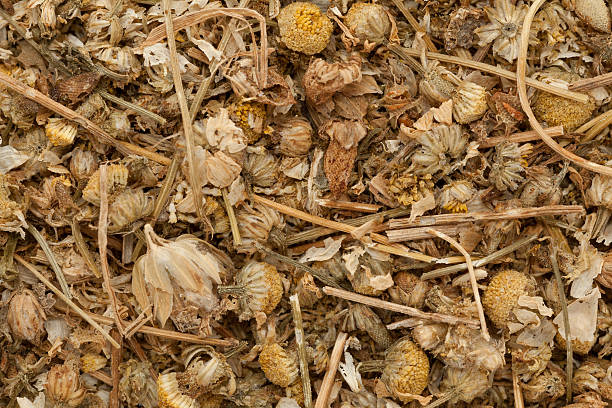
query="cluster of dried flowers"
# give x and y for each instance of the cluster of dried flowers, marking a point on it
(337, 203)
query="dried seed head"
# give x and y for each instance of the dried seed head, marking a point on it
(544, 388)
(137, 388)
(454, 196)
(60, 131)
(251, 118)
(469, 102)
(279, 366)
(91, 362)
(435, 87)
(429, 336)
(116, 180)
(467, 383)
(368, 21)
(502, 294)
(406, 369)
(184, 267)
(169, 394)
(63, 386)
(296, 137)
(128, 207)
(595, 13)
(508, 166)
(304, 28)
(83, 163)
(263, 289)
(26, 317)
(440, 148)
(205, 376)
(262, 169)
(558, 111)
(255, 224)
(368, 321)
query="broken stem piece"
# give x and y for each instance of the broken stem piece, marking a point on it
(521, 137)
(232, 218)
(299, 341)
(59, 274)
(330, 374)
(66, 300)
(394, 307)
(129, 105)
(348, 205)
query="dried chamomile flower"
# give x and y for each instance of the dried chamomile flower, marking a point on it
(222, 133)
(502, 294)
(411, 290)
(60, 131)
(544, 388)
(220, 169)
(595, 13)
(26, 317)
(368, 21)
(170, 395)
(371, 276)
(129, 206)
(430, 336)
(116, 180)
(137, 388)
(529, 362)
(304, 28)
(461, 26)
(368, 321)
(63, 387)
(251, 118)
(406, 187)
(558, 111)
(463, 384)
(91, 362)
(587, 400)
(406, 370)
(469, 102)
(435, 85)
(440, 149)
(259, 289)
(600, 191)
(20, 110)
(507, 167)
(206, 376)
(296, 137)
(261, 169)
(255, 224)
(83, 163)
(454, 196)
(279, 365)
(504, 29)
(541, 188)
(323, 79)
(592, 375)
(185, 268)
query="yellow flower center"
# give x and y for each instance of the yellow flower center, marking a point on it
(308, 20)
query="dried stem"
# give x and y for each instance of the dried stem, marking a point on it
(521, 137)
(566, 324)
(483, 261)
(66, 300)
(102, 243)
(299, 341)
(415, 24)
(348, 205)
(319, 232)
(325, 279)
(512, 214)
(115, 362)
(521, 81)
(83, 249)
(394, 307)
(330, 374)
(518, 392)
(129, 105)
(59, 274)
(555, 90)
(591, 83)
(182, 100)
(232, 218)
(418, 233)
(468, 260)
(121, 146)
(384, 244)
(599, 124)
(595, 121)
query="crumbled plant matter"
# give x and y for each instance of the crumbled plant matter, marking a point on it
(378, 160)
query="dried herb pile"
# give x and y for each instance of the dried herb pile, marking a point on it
(338, 203)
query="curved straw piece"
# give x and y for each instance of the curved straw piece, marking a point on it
(521, 68)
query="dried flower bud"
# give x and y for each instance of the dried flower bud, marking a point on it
(296, 135)
(116, 180)
(435, 87)
(369, 322)
(502, 294)
(595, 13)
(600, 192)
(593, 376)
(372, 277)
(544, 388)
(169, 394)
(127, 207)
(251, 118)
(507, 168)
(304, 28)
(368, 21)
(440, 147)
(454, 196)
(63, 386)
(221, 170)
(429, 336)
(137, 388)
(60, 131)
(529, 362)
(279, 366)
(467, 383)
(26, 317)
(262, 169)
(406, 369)
(183, 267)
(208, 376)
(556, 110)
(469, 102)
(91, 362)
(255, 224)
(83, 163)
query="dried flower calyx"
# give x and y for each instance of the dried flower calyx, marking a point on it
(26, 317)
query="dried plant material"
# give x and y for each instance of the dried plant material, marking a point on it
(26, 317)
(323, 79)
(469, 102)
(181, 268)
(406, 370)
(461, 27)
(595, 13)
(502, 295)
(116, 181)
(583, 317)
(63, 386)
(304, 28)
(368, 22)
(11, 158)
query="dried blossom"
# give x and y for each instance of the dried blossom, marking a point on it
(504, 28)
